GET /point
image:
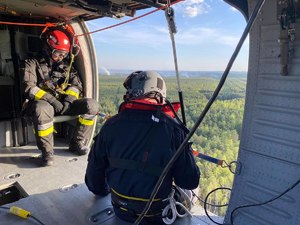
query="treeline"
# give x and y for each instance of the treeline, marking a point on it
(218, 135)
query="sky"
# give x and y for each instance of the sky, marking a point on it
(207, 33)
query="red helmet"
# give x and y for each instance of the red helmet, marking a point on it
(58, 40)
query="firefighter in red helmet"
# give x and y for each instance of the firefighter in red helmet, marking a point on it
(59, 45)
(53, 87)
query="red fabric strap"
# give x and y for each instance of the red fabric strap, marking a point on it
(150, 106)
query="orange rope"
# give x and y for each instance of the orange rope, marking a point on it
(127, 21)
(29, 24)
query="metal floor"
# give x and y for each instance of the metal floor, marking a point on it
(57, 194)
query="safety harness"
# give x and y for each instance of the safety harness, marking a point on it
(161, 208)
(134, 205)
(177, 204)
(56, 86)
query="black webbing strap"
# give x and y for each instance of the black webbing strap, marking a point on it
(135, 207)
(129, 164)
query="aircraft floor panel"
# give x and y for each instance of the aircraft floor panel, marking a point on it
(76, 206)
(57, 194)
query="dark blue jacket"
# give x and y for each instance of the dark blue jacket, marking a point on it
(140, 136)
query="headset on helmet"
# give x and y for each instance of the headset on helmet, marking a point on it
(58, 40)
(145, 84)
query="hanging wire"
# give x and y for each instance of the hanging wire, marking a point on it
(210, 204)
(169, 13)
(206, 199)
(263, 203)
(257, 8)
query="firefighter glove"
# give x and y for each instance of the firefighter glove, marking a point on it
(70, 98)
(66, 107)
(57, 105)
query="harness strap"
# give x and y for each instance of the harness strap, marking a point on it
(66, 82)
(134, 205)
(129, 164)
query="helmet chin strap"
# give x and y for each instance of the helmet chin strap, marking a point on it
(158, 97)
(153, 95)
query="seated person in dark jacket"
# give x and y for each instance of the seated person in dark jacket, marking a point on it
(134, 146)
(53, 87)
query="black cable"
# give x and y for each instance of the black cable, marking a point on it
(239, 207)
(30, 216)
(263, 203)
(202, 115)
(181, 124)
(36, 219)
(214, 205)
(205, 203)
(180, 94)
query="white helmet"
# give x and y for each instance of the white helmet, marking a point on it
(145, 84)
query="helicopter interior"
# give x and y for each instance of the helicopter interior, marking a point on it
(269, 150)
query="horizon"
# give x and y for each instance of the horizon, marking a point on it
(207, 34)
(183, 73)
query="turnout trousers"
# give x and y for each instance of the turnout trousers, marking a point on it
(41, 114)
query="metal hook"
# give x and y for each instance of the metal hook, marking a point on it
(170, 19)
(230, 166)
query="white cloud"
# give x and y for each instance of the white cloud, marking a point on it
(191, 11)
(152, 36)
(193, 8)
(196, 36)
(194, 1)
(158, 37)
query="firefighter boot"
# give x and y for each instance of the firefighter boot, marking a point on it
(47, 159)
(79, 146)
